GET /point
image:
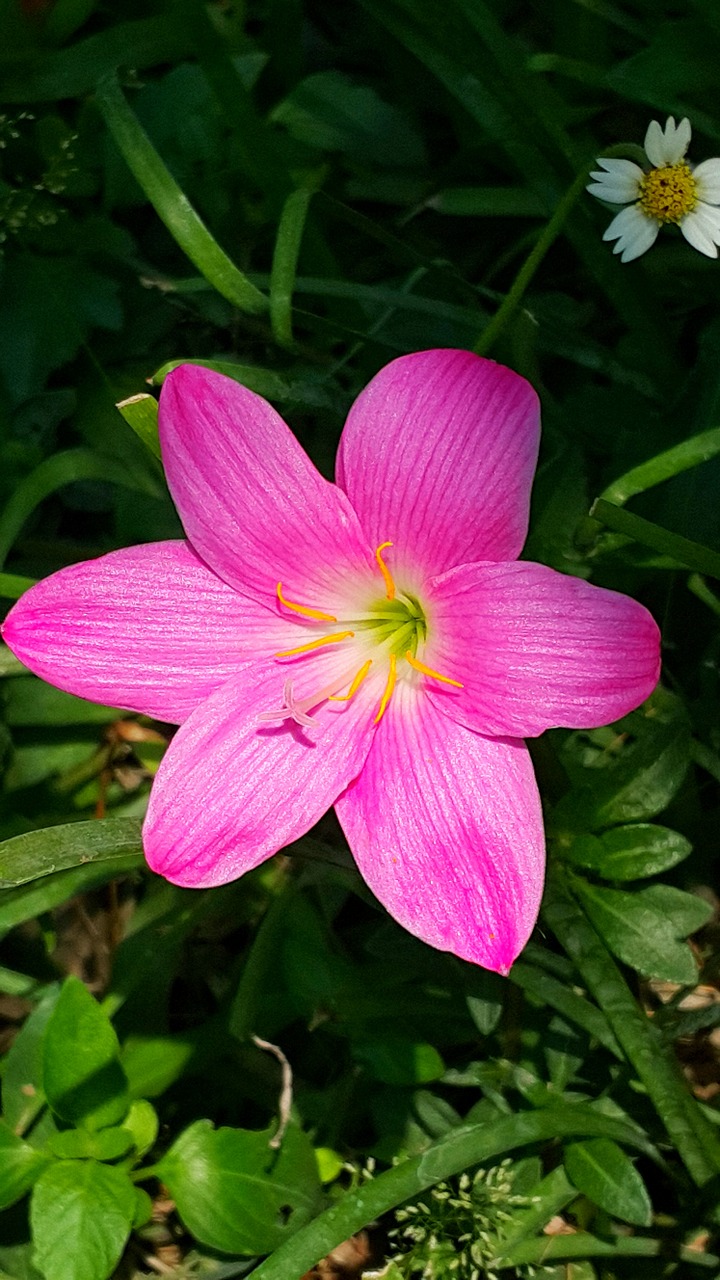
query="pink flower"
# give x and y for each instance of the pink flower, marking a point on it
(372, 644)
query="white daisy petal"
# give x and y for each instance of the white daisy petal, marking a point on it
(619, 185)
(617, 166)
(683, 134)
(695, 234)
(655, 143)
(707, 177)
(675, 140)
(618, 192)
(634, 232)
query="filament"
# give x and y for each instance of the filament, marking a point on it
(360, 676)
(315, 644)
(317, 614)
(428, 671)
(389, 584)
(387, 695)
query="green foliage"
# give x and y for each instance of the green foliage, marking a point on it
(289, 194)
(235, 1192)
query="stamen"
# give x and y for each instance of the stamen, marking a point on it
(387, 695)
(428, 671)
(389, 584)
(315, 644)
(360, 676)
(303, 609)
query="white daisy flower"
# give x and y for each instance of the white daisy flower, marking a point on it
(671, 190)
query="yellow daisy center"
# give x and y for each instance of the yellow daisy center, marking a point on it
(668, 194)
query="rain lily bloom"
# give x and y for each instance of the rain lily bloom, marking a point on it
(669, 190)
(372, 643)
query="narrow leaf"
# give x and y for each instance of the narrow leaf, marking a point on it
(171, 204)
(141, 413)
(41, 853)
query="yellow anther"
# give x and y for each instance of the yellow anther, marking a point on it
(428, 671)
(360, 676)
(389, 584)
(387, 695)
(315, 644)
(668, 193)
(303, 609)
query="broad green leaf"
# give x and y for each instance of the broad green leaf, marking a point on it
(635, 780)
(233, 1191)
(606, 1175)
(631, 852)
(686, 911)
(83, 1080)
(329, 111)
(141, 1122)
(82, 1144)
(153, 1063)
(20, 1166)
(42, 853)
(22, 1095)
(398, 1059)
(81, 1215)
(638, 932)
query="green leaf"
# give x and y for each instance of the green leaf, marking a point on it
(686, 911)
(52, 474)
(694, 555)
(31, 703)
(638, 777)
(83, 1080)
(141, 1122)
(31, 900)
(20, 1166)
(22, 1095)
(41, 853)
(638, 932)
(265, 382)
(399, 1059)
(233, 1191)
(631, 852)
(81, 1144)
(328, 111)
(284, 265)
(606, 1175)
(141, 413)
(171, 204)
(81, 1215)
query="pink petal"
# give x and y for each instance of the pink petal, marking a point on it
(438, 455)
(536, 649)
(251, 502)
(148, 628)
(446, 829)
(232, 790)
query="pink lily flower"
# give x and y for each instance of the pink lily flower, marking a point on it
(372, 644)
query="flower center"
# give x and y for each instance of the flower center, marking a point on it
(392, 628)
(668, 194)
